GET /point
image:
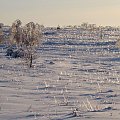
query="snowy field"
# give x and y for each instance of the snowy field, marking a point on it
(71, 80)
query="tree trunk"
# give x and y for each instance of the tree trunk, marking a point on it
(30, 60)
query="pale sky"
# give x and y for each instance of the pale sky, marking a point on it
(61, 12)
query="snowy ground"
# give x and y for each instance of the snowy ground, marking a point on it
(71, 80)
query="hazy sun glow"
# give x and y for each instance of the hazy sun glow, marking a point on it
(61, 12)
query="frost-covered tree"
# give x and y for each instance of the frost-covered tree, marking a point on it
(118, 43)
(16, 33)
(1, 34)
(26, 38)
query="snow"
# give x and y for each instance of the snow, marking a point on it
(71, 79)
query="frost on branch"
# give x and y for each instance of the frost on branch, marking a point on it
(26, 38)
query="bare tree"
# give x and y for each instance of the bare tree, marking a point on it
(27, 38)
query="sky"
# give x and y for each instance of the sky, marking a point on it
(61, 12)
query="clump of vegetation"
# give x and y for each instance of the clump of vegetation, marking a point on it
(26, 39)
